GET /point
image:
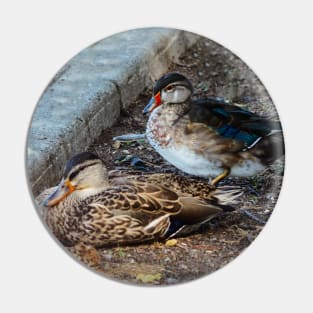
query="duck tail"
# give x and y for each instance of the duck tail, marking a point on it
(270, 148)
(227, 196)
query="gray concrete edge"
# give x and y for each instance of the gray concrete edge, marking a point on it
(86, 96)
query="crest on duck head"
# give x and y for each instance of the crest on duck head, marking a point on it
(171, 78)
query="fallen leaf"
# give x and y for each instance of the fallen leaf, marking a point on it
(148, 278)
(171, 242)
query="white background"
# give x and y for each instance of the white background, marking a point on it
(274, 38)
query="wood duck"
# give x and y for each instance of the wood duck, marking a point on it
(209, 137)
(91, 209)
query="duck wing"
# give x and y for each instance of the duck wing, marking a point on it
(126, 214)
(231, 121)
(195, 211)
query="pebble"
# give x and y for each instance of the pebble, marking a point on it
(171, 281)
(183, 266)
(116, 144)
(107, 257)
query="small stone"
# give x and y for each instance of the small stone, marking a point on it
(171, 281)
(116, 144)
(107, 257)
(183, 267)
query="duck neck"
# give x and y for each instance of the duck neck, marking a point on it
(173, 111)
(81, 195)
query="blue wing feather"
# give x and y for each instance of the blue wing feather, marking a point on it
(228, 131)
(231, 121)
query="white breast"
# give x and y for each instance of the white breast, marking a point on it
(189, 162)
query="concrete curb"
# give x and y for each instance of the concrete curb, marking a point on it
(87, 94)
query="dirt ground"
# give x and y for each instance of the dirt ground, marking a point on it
(213, 71)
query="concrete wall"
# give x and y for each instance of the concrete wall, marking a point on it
(86, 95)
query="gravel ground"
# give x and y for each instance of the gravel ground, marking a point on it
(213, 70)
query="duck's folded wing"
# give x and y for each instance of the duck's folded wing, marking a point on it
(195, 210)
(127, 214)
(231, 121)
(138, 195)
(102, 227)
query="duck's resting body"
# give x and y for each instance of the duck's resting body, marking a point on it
(209, 137)
(199, 150)
(96, 210)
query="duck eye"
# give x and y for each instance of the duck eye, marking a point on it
(169, 88)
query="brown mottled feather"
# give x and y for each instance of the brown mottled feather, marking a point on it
(129, 208)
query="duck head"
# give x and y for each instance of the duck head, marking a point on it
(172, 88)
(84, 175)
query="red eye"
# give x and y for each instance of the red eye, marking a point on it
(169, 88)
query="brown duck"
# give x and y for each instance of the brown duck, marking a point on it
(89, 209)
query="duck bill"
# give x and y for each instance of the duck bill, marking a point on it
(64, 189)
(154, 102)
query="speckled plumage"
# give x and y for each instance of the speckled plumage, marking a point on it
(208, 136)
(129, 209)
